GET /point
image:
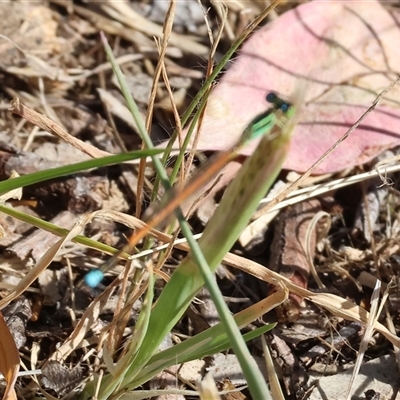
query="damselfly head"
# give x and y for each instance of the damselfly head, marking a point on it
(278, 103)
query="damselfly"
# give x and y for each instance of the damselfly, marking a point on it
(259, 126)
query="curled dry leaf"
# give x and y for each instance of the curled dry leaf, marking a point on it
(12, 194)
(347, 51)
(9, 360)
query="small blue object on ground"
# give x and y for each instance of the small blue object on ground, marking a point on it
(93, 278)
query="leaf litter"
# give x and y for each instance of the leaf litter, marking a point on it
(60, 75)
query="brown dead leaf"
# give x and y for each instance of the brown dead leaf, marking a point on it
(9, 359)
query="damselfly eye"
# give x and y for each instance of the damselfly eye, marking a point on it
(271, 97)
(284, 107)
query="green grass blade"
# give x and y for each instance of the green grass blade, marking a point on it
(113, 381)
(212, 341)
(41, 176)
(133, 108)
(56, 230)
(242, 196)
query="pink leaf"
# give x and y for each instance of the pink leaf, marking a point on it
(349, 51)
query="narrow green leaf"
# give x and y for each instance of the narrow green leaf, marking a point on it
(58, 172)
